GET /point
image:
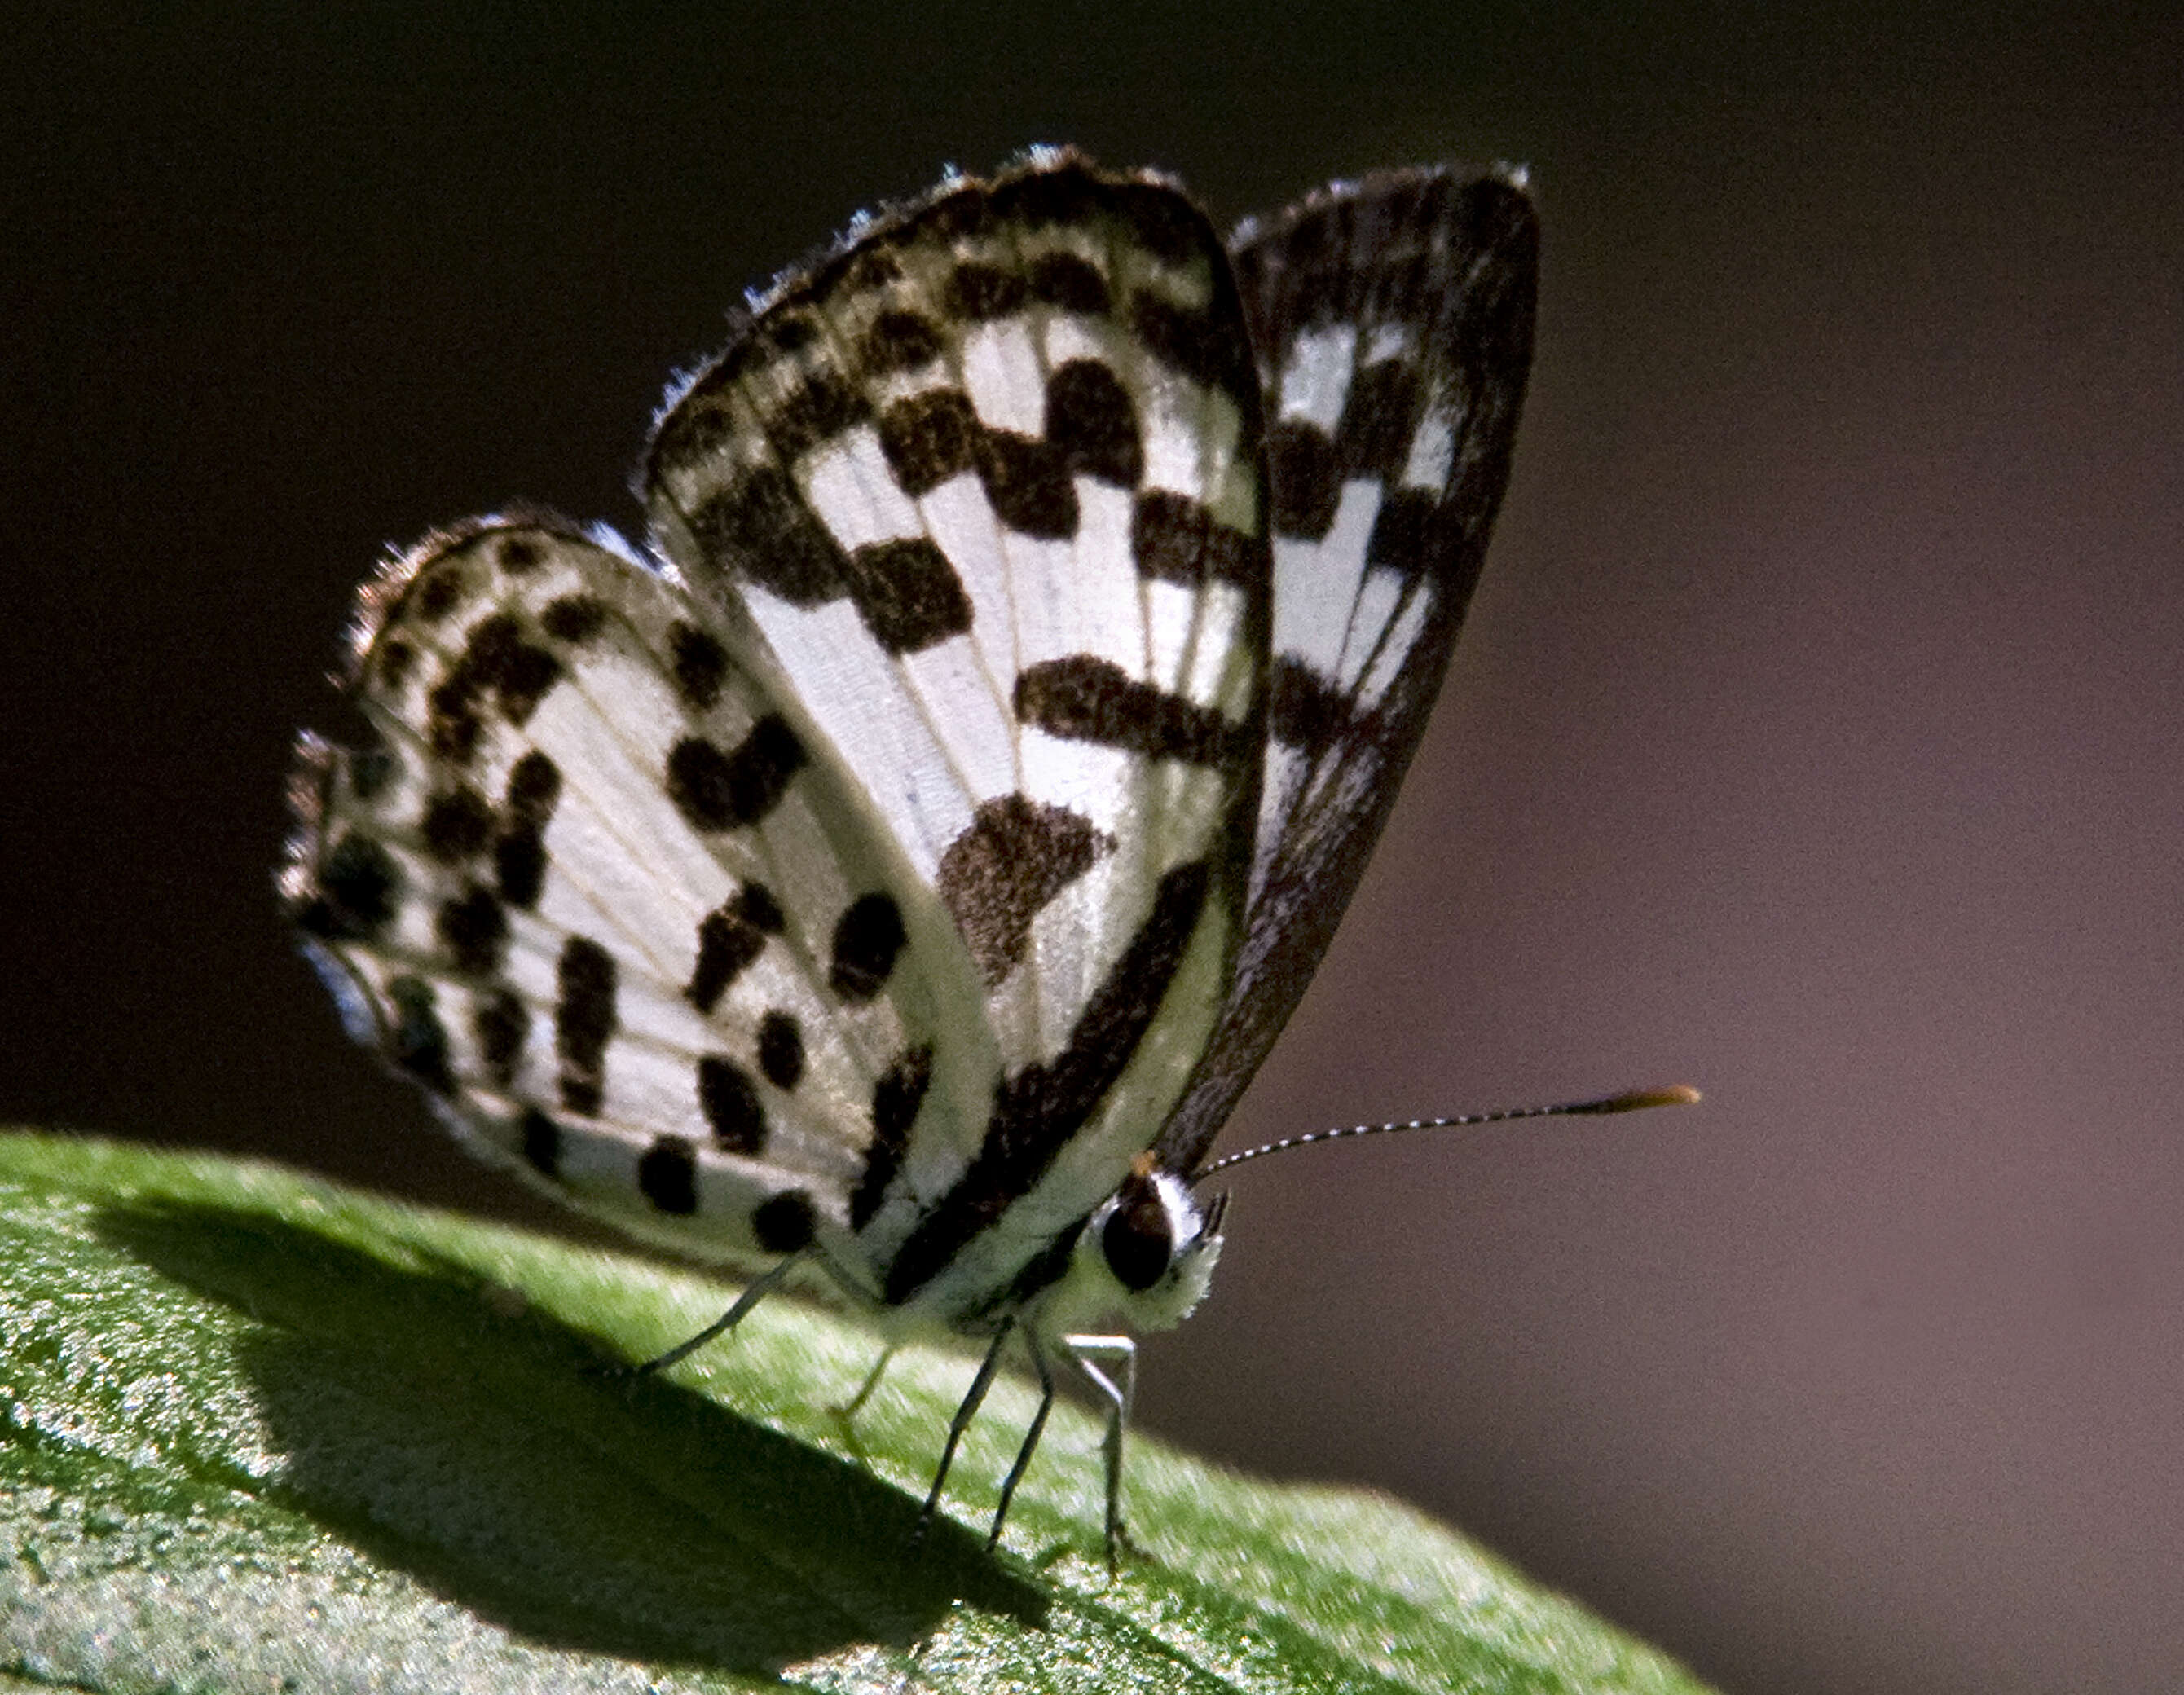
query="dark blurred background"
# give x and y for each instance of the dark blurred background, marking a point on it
(1814, 739)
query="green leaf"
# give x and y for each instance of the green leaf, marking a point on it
(264, 1433)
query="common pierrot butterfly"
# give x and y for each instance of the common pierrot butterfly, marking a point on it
(894, 869)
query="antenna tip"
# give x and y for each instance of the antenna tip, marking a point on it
(1676, 1095)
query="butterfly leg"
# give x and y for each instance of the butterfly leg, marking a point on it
(962, 1422)
(856, 1402)
(1030, 1442)
(721, 1326)
(1124, 1352)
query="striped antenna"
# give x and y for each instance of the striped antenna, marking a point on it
(1633, 1101)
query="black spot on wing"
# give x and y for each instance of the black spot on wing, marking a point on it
(534, 787)
(1207, 347)
(870, 269)
(695, 432)
(1306, 711)
(781, 1050)
(517, 670)
(701, 666)
(519, 861)
(453, 725)
(867, 938)
(976, 292)
(929, 438)
(784, 1224)
(1307, 479)
(760, 529)
(416, 1040)
(719, 791)
(1410, 533)
(1027, 478)
(502, 1023)
(1085, 699)
(584, 1019)
(932, 436)
(474, 930)
(899, 341)
(1038, 1110)
(1378, 419)
(824, 406)
(728, 941)
(573, 618)
(457, 823)
(393, 659)
(1017, 854)
(371, 766)
(756, 907)
(729, 1099)
(896, 1098)
(1175, 539)
(1091, 422)
(443, 587)
(542, 1142)
(667, 1175)
(787, 332)
(359, 888)
(908, 595)
(1072, 284)
(519, 851)
(370, 771)
(497, 661)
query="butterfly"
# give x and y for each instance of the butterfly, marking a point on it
(895, 870)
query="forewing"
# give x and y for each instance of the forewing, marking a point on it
(985, 490)
(580, 878)
(1393, 323)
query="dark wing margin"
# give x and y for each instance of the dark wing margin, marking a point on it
(1392, 319)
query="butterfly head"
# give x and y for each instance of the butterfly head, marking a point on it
(1146, 1254)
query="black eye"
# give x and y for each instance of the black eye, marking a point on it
(1136, 1238)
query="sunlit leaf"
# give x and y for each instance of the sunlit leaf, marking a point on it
(263, 1433)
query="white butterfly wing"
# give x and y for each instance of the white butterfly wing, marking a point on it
(583, 881)
(986, 489)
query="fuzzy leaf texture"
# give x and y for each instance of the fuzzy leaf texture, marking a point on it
(264, 1433)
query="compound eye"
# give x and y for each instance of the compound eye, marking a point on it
(1138, 1239)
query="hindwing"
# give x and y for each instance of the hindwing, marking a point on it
(582, 878)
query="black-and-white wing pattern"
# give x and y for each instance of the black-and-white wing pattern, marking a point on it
(584, 882)
(988, 488)
(900, 867)
(1392, 320)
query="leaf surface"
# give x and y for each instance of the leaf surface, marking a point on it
(262, 1432)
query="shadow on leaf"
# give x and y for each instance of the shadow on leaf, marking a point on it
(485, 1457)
